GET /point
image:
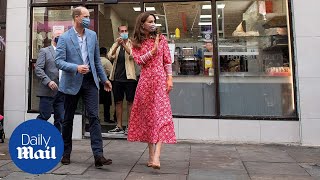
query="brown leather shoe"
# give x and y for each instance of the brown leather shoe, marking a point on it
(99, 161)
(65, 159)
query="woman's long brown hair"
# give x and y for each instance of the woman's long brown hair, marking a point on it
(139, 33)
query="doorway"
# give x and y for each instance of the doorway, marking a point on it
(3, 10)
(109, 17)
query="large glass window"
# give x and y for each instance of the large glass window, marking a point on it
(45, 21)
(254, 58)
(187, 26)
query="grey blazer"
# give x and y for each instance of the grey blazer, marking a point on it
(46, 71)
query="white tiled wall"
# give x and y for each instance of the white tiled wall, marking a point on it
(280, 131)
(15, 100)
(198, 129)
(239, 130)
(307, 35)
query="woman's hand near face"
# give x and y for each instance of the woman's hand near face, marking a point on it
(156, 43)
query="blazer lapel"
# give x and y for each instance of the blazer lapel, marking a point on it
(52, 52)
(74, 39)
(90, 43)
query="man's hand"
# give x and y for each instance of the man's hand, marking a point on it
(107, 86)
(53, 86)
(83, 69)
(169, 84)
(120, 41)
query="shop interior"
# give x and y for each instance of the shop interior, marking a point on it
(252, 43)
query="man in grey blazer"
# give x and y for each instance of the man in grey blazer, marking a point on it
(48, 74)
(78, 56)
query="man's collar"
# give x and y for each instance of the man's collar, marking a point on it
(84, 30)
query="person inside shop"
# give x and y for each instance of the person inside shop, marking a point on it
(151, 114)
(208, 46)
(78, 56)
(123, 76)
(105, 96)
(48, 75)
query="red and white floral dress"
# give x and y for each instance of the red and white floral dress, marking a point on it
(151, 115)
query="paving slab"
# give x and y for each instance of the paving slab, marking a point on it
(77, 157)
(275, 168)
(304, 154)
(195, 174)
(120, 168)
(10, 167)
(167, 167)
(170, 156)
(234, 165)
(23, 176)
(4, 173)
(263, 154)
(312, 169)
(279, 177)
(73, 168)
(155, 176)
(4, 162)
(103, 174)
(212, 152)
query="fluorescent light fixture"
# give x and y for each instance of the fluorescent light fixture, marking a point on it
(187, 48)
(136, 8)
(205, 23)
(206, 6)
(147, 9)
(220, 6)
(205, 16)
(150, 9)
(158, 24)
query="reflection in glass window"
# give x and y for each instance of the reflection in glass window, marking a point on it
(255, 63)
(45, 21)
(188, 28)
(55, 1)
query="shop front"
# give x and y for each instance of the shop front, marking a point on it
(234, 63)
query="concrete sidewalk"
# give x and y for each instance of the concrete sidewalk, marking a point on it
(180, 162)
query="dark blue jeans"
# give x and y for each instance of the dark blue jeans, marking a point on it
(90, 97)
(56, 103)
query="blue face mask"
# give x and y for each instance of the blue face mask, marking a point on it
(124, 35)
(85, 22)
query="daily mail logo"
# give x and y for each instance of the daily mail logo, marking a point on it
(36, 146)
(27, 151)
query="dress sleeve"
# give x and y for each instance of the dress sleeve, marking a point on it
(139, 57)
(167, 62)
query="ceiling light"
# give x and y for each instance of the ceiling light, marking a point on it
(150, 9)
(147, 9)
(220, 6)
(157, 17)
(206, 6)
(205, 16)
(187, 48)
(205, 23)
(136, 8)
(158, 24)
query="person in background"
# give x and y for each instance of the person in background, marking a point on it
(151, 115)
(78, 56)
(104, 96)
(123, 76)
(48, 75)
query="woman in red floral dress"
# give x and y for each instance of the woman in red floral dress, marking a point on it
(151, 115)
